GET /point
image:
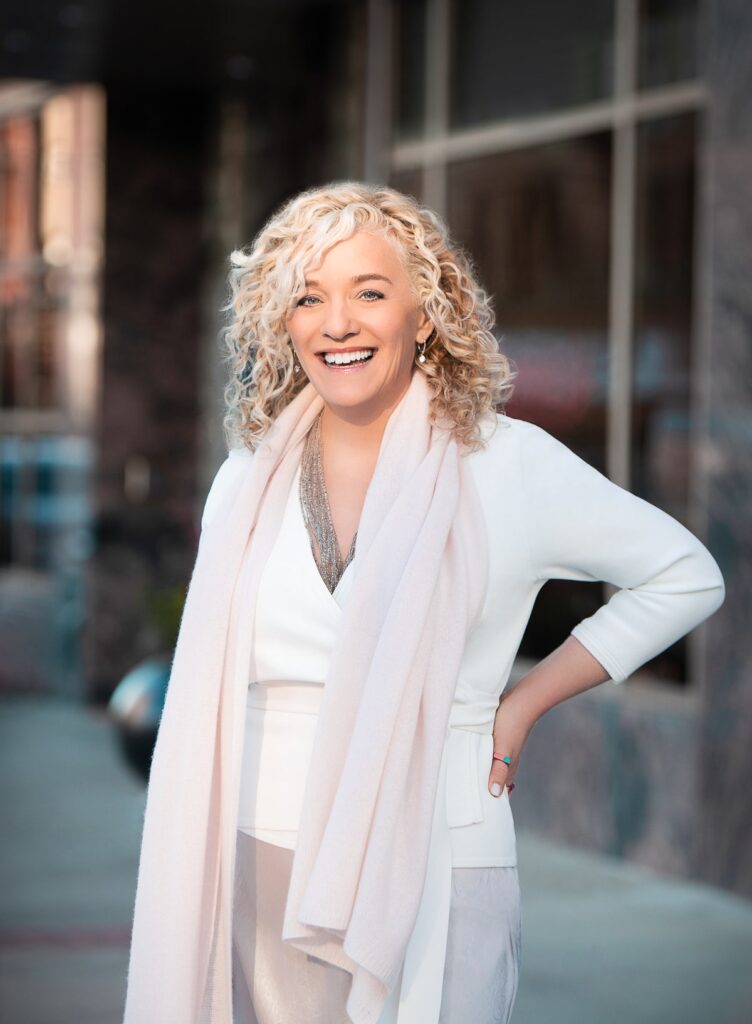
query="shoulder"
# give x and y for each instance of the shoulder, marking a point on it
(239, 455)
(531, 465)
(230, 472)
(509, 437)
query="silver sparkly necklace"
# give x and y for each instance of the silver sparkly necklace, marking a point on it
(317, 514)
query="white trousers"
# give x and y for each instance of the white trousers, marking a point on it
(275, 983)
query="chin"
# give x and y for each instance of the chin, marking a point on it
(349, 400)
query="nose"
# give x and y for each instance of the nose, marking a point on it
(337, 324)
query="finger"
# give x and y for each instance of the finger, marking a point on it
(498, 777)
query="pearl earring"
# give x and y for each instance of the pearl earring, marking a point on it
(421, 351)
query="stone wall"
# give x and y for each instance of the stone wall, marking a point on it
(722, 851)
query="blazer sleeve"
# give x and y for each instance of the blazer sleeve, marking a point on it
(581, 526)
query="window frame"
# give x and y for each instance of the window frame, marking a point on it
(629, 106)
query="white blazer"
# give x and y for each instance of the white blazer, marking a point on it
(549, 515)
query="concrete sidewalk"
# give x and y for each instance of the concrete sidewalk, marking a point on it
(602, 941)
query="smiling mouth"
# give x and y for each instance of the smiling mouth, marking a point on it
(337, 360)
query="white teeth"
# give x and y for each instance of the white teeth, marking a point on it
(342, 358)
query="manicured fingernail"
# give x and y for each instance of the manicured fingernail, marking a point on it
(495, 788)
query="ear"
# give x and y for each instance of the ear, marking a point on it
(425, 327)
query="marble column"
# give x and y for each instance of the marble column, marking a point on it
(722, 847)
(145, 477)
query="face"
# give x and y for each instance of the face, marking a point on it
(355, 327)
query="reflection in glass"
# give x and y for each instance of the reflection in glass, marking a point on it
(536, 222)
(663, 312)
(51, 246)
(51, 213)
(44, 501)
(513, 59)
(670, 41)
(662, 364)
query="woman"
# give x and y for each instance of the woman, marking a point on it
(328, 834)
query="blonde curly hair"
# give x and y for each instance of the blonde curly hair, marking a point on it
(467, 372)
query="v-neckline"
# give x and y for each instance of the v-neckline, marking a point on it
(309, 548)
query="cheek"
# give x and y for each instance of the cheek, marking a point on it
(303, 338)
(400, 354)
(396, 354)
(395, 333)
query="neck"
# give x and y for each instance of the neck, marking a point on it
(355, 428)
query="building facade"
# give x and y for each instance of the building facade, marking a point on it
(594, 161)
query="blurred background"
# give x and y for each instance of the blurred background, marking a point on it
(595, 158)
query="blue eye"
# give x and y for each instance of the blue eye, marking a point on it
(302, 302)
(372, 291)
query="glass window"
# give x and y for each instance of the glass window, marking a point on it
(410, 63)
(51, 192)
(32, 336)
(50, 241)
(670, 41)
(410, 181)
(662, 351)
(536, 222)
(24, 354)
(44, 504)
(513, 59)
(51, 244)
(664, 234)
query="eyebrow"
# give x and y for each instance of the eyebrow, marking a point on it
(358, 278)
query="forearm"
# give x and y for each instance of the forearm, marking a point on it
(568, 670)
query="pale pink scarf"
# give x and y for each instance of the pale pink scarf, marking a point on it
(363, 841)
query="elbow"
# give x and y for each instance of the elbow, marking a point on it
(710, 580)
(718, 592)
(715, 596)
